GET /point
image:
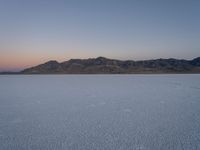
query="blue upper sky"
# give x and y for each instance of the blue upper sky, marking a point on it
(33, 31)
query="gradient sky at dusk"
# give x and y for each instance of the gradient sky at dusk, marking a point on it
(35, 31)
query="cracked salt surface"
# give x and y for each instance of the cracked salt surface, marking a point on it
(100, 112)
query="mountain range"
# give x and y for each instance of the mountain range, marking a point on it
(102, 65)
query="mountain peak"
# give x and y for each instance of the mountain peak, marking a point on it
(101, 58)
(52, 62)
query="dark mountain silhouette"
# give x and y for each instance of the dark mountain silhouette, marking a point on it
(102, 65)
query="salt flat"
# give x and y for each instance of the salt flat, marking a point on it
(100, 112)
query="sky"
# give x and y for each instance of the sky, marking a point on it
(35, 31)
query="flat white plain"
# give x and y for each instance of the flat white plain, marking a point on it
(100, 112)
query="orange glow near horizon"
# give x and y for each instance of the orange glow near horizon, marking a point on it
(19, 60)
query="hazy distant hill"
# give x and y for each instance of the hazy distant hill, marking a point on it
(102, 65)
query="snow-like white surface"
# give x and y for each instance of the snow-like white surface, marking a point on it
(100, 112)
